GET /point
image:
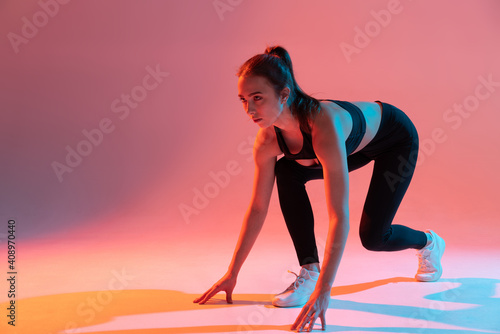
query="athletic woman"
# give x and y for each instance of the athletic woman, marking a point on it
(324, 139)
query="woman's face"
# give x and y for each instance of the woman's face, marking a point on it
(259, 100)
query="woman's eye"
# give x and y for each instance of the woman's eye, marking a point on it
(257, 98)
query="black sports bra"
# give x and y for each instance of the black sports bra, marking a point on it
(351, 143)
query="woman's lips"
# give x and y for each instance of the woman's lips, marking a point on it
(256, 120)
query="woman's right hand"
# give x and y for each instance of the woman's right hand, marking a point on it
(226, 283)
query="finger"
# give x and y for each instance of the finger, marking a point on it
(229, 297)
(323, 321)
(297, 324)
(201, 297)
(298, 321)
(212, 293)
(209, 296)
(304, 322)
(311, 323)
(306, 318)
(197, 300)
(303, 313)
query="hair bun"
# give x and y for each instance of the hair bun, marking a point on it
(280, 52)
(275, 50)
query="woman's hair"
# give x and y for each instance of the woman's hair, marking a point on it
(276, 66)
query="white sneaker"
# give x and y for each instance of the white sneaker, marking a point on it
(298, 292)
(429, 259)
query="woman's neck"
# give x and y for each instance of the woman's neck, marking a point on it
(286, 122)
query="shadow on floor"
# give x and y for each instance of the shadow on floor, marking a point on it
(71, 311)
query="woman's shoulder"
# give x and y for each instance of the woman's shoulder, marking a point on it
(266, 141)
(328, 109)
(332, 117)
(266, 135)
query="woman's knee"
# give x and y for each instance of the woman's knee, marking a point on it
(373, 241)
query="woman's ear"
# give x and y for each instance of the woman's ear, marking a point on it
(285, 94)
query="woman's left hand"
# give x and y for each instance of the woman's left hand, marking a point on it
(315, 308)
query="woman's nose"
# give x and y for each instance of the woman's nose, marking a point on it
(249, 108)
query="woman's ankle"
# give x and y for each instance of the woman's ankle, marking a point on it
(312, 267)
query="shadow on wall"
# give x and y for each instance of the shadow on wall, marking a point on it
(145, 310)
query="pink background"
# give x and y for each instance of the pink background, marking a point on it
(424, 58)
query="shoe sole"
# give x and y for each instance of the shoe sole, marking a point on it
(289, 305)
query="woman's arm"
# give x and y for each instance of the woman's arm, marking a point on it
(265, 160)
(329, 146)
(256, 213)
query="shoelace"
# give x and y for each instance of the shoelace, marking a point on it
(300, 280)
(424, 264)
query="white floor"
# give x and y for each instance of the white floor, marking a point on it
(90, 281)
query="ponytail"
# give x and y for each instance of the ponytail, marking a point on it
(276, 66)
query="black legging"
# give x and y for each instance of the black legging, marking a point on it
(394, 150)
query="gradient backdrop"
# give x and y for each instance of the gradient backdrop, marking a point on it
(121, 130)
